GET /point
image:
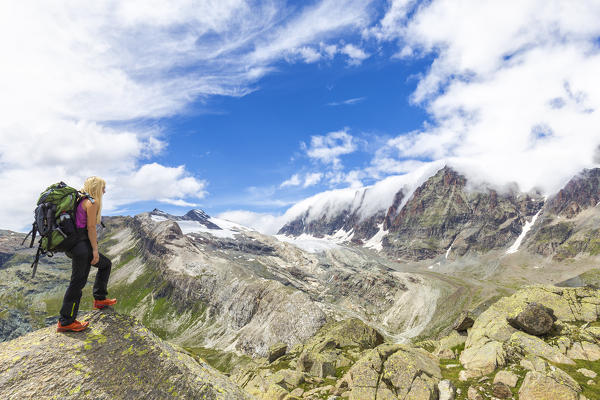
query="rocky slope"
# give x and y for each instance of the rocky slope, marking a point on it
(250, 291)
(491, 359)
(116, 358)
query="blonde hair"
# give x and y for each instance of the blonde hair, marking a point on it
(94, 186)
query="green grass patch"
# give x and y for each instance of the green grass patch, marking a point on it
(222, 360)
(126, 257)
(590, 391)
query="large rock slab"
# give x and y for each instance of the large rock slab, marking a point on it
(405, 372)
(115, 358)
(536, 346)
(538, 386)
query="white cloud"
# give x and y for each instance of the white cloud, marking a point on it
(348, 102)
(504, 74)
(312, 179)
(309, 55)
(356, 55)
(330, 147)
(309, 179)
(293, 181)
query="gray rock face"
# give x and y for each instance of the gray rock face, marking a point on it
(115, 357)
(276, 351)
(535, 319)
(464, 322)
(445, 212)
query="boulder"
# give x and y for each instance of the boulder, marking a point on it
(317, 364)
(501, 391)
(397, 370)
(463, 322)
(346, 333)
(534, 363)
(584, 351)
(484, 359)
(535, 319)
(506, 377)
(473, 394)
(536, 346)
(587, 373)
(538, 386)
(447, 390)
(275, 351)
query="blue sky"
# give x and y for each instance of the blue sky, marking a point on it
(255, 105)
(252, 144)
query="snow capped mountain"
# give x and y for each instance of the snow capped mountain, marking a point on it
(425, 214)
(196, 220)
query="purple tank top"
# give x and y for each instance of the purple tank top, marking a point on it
(80, 216)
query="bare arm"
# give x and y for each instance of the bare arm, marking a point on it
(91, 212)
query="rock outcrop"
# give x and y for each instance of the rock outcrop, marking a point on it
(115, 357)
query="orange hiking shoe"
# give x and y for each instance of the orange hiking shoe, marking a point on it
(75, 326)
(100, 304)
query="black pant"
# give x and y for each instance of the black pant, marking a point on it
(81, 255)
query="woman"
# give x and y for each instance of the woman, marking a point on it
(84, 254)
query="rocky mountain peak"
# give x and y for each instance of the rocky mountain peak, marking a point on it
(115, 358)
(581, 192)
(444, 213)
(193, 215)
(196, 215)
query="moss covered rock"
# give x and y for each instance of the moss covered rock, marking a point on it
(115, 358)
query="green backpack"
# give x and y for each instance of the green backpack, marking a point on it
(55, 221)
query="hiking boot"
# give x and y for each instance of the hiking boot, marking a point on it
(74, 326)
(100, 304)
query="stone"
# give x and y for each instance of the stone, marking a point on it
(537, 386)
(411, 370)
(446, 389)
(463, 322)
(535, 319)
(584, 351)
(534, 363)
(473, 394)
(275, 351)
(286, 378)
(484, 359)
(317, 364)
(298, 392)
(587, 373)
(501, 390)
(536, 346)
(506, 377)
(445, 354)
(275, 392)
(408, 372)
(467, 374)
(591, 382)
(345, 333)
